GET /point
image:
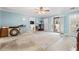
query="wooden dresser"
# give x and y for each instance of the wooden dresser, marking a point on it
(0, 32)
(3, 32)
(78, 41)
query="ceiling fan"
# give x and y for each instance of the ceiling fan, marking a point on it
(42, 10)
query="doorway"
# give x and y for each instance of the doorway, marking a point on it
(57, 25)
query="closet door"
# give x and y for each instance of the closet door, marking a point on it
(52, 25)
(74, 23)
(73, 26)
(61, 25)
(46, 25)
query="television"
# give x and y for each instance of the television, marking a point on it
(31, 22)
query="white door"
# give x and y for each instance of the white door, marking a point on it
(73, 23)
(61, 25)
(46, 25)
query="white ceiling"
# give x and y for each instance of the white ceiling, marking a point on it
(30, 11)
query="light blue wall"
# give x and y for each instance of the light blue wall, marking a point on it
(66, 24)
(66, 20)
(49, 24)
(14, 19)
(0, 18)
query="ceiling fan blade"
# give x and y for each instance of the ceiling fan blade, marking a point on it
(47, 10)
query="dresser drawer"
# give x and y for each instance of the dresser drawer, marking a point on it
(4, 32)
(0, 32)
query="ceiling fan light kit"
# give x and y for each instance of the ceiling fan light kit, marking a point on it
(42, 10)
